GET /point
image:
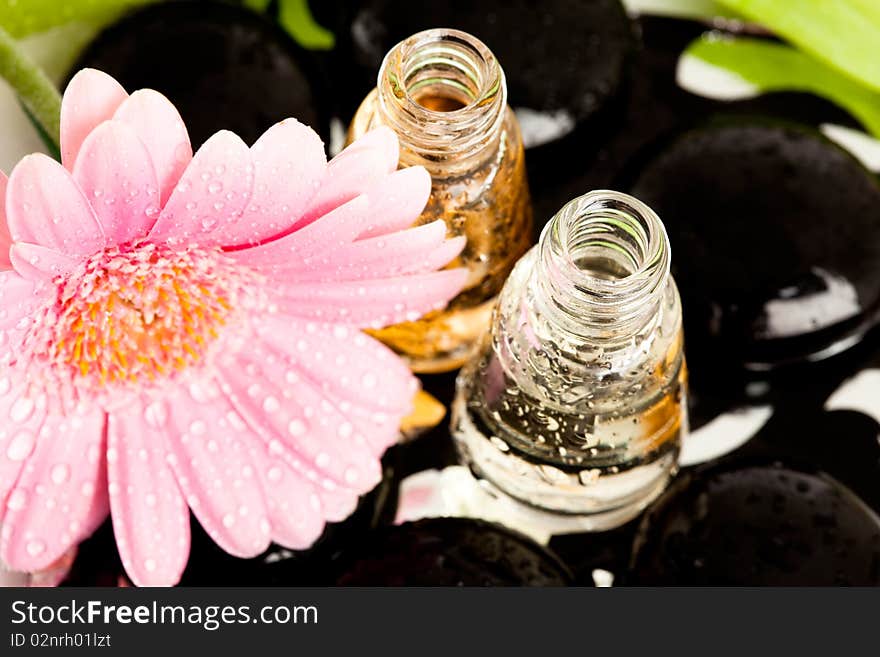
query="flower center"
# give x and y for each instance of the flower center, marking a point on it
(131, 317)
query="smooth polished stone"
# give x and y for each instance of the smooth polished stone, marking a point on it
(757, 525)
(564, 60)
(775, 235)
(226, 68)
(448, 552)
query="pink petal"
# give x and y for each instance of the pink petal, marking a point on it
(398, 200)
(206, 205)
(158, 124)
(45, 206)
(5, 239)
(210, 451)
(289, 165)
(114, 169)
(91, 97)
(391, 205)
(345, 362)
(371, 303)
(334, 230)
(100, 505)
(361, 375)
(19, 298)
(59, 482)
(354, 171)
(414, 250)
(37, 263)
(293, 505)
(302, 426)
(150, 516)
(21, 417)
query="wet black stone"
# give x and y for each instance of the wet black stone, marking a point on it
(224, 67)
(762, 213)
(757, 525)
(447, 552)
(558, 56)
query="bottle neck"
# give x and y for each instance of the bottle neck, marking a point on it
(603, 268)
(444, 94)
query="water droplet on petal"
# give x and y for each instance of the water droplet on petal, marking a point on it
(296, 427)
(35, 547)
(21, 446)
(22, 409)
(60, 473)
(16, 500)
(271, 405)
(156, 415)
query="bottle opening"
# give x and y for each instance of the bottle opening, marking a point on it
(608, 242)
(447, 70)
(437, 103)
(609, 236)
(605, 261)
(443, 93)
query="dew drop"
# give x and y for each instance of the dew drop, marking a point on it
(35, 547)
(296, 427)
(156, 415)
(21, 446)
(22, 409)
(271, 405)
(60, 473)
(16, 500)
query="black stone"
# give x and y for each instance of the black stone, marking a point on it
(758, 525)
(447, 552)
(558, 56)
(224, 67)
(764, 212)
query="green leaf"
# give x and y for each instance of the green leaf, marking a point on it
(22, 17)
(51, 146)
(771, 66)
(689, 9)
(36, 91)
(296, 17)
(257, 5)
(842, 33)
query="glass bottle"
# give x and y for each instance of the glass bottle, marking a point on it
(444, 94)
(575, 405)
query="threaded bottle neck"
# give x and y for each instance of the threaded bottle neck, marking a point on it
(444, 94)
(603, 267)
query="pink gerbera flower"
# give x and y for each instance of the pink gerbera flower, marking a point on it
(182, 331)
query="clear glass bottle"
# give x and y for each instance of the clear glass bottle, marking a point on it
(444, 94)
(576, 403)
